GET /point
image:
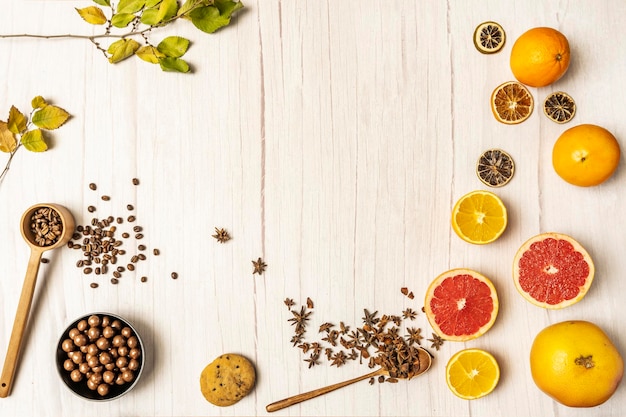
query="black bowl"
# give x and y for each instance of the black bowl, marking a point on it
(81, 388)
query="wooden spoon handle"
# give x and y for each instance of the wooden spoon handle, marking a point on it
(279, 405)
(19, 325)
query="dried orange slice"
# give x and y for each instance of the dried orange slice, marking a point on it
(479, 217)
(495, 168)
(461, 304)
(511, 103)
(559, 107)
(472, 373)
(489, 37)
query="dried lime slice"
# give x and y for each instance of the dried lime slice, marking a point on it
(559, 107)
(489, 37)
(495, 168)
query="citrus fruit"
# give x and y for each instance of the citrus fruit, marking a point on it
(495, 168)
(479, 217)
(461, 304)
(511, 103)
(540, 56)
(559, 107)
(552, 270)
(489, 37)
(472, 373)
(576, 363)
(585, 155)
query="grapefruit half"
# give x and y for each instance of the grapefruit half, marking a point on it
(552, 270)
(461, 304)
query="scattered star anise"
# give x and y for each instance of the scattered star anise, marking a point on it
(437, 341)
(221, 235)
(289, 303)
(299, 319)
(414, 335)
(313, 360)
(326, 327)
(309, 302)
(370, 319)
(259, 266)
(409, 313)
(338, 359)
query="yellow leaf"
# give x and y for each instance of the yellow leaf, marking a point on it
(50, 117)
(149, 54)
(38, 102)
(122, 49)
(93, 15)
(33, 141)
(7, 139)
(17, 121)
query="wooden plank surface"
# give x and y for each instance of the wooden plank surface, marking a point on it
(331, 139)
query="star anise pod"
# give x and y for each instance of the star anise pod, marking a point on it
(437, 341)
(259, 266)
(338, 359)
(289, 303)
(414, 335)
(370, 319)
(221, 235)
(313, 360)
(409, 314)
(326, 327)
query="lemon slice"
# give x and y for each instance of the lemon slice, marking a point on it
(489, 37)
(472, 373)
(559, 107)
(511, 103)
(479, 217)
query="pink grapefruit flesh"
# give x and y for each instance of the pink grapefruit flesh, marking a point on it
(461, 304)
(552, 270)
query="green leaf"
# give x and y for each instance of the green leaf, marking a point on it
(130, 6)
(50, 117)
(103, 2)
(170, 64)
(173, 46)
(149, 54)
(8, 143)
(38, 102)
(167, 9)
(122, 49)
(33, 141)
(211, 18)
(93, 15)
(17, 121)
(152, 3)
(121, 20)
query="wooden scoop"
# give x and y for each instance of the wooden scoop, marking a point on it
(425, 362)
(28, 288)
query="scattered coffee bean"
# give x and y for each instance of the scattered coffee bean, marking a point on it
(130, 267)
(144, 279)
(114, 281)
(141, 257)
(87, 271)
(174, 275)
(94, 285)
(156, 252)
(130, 207)
(125, 235)
(131, 218)
(137, 229)
(135, 181)
(141, 247)
(44, 260)
(138, 236)
(119, 220)
(93, 186)
(91, 209)
(105, 198)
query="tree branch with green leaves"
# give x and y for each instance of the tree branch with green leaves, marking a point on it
(29, 131)
(127, 27)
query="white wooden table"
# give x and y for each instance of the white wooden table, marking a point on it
(331, 139)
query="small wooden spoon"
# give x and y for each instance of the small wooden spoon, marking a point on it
(425, 362)
(28, 288)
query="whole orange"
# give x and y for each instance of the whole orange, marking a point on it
(585, 155)
(576, 363)
(540, 56)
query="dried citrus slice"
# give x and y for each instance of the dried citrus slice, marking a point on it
(552, 270)
(489, 37)
(472, 373)
(479, 217)
(559, 107)
(461, 304)
(511, 103)
(495, 168)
